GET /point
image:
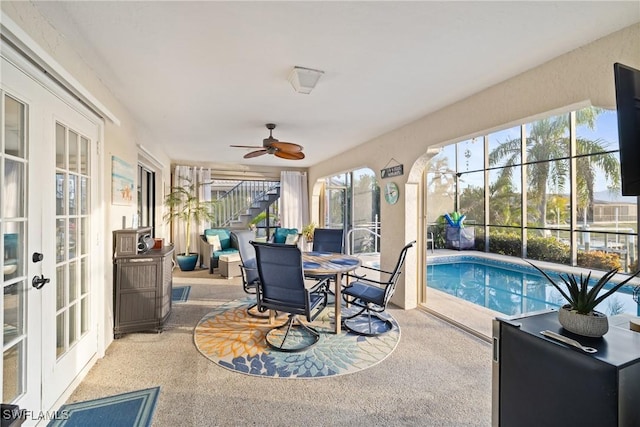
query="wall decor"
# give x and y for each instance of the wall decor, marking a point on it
(391, 193)
(391, 171)
(121, 182)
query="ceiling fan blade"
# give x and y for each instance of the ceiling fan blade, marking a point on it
(288, 155)
(289, 147)
(246, 146)
(255, 154)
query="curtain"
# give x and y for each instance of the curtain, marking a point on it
(184, 176)
(294, 199)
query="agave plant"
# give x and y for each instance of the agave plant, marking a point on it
(581, 298)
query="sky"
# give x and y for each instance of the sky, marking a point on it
(606, 129)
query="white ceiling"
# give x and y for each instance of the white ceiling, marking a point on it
(202, 75)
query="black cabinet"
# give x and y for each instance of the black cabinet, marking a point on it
(541, 382)
(142, 291)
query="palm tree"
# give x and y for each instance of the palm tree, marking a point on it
(549, 140)
(441, 187)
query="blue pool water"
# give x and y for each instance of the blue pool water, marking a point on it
(510, 289)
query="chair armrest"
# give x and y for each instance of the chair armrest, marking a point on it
(206, 249)
(376, 269)
(366, 280)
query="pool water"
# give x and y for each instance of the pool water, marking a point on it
(510, 289)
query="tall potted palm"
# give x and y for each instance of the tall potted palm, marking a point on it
(186, 208)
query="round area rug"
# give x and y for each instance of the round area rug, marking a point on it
(231, 338)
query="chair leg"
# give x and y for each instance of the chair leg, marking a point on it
(289, 325)
(257, 314)
(356, 324)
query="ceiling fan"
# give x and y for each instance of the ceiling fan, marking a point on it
(284, 150)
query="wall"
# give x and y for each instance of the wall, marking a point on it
(119, 140)
(582, 76)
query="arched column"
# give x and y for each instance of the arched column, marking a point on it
(409, 295)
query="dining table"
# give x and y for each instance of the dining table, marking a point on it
(317, 263)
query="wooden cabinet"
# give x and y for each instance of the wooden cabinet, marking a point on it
(540, 382)
(142, 291)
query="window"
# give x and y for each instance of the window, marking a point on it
(352, 202)
(532, 174)
(146, 197)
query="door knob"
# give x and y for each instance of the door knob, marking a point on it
(37, 257)
(39, 282)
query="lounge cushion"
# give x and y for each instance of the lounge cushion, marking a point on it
(280, 235)
(291, 239)
(214, 241)
(230, 257)
(223, 234)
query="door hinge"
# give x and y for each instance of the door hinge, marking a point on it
(98, 148)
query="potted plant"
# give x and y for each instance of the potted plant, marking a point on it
(186, 208)
(307, 232)
(579, 315)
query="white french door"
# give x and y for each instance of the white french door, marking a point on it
(49, 170)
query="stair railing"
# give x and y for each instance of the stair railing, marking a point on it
(240, 199)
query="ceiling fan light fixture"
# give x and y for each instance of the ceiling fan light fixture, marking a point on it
(304, 79)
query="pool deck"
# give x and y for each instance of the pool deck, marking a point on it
(477, 319)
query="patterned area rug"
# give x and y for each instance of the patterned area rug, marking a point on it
(180, 293)
(134, 409)
(231, 338)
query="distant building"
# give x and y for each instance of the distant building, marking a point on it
(611, 208)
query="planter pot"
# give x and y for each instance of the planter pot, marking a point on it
(592, 325)
(187, 262)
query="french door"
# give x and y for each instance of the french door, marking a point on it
(48, 167)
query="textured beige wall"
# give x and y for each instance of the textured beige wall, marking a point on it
(118, 140)
(583, 76)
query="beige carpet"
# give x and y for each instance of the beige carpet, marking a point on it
(437, 376)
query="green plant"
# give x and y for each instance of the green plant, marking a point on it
(262, 216)
(599, 260)
(308, 230)
(185, 206)
(580, 297)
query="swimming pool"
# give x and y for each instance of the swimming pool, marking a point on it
(508, 288)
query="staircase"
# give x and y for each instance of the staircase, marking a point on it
(236, 208)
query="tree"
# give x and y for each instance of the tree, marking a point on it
(185, 206)
(441, 187)
(547, 148)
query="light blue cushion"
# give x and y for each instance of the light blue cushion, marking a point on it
(223, 234)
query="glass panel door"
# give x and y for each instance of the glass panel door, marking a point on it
(13, 222)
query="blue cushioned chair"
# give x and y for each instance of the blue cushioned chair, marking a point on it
(208, 252)
(372, 296)
(242, 239)
(282, 288)
(328, 240)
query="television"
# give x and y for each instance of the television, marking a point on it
(627, 83)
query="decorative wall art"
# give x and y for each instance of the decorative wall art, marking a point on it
(121, 182)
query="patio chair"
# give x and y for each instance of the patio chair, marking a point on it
(372, 296)
(282, 288)
(328, 240)
(241, 239)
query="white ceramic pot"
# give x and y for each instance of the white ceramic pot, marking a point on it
(592, 325)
